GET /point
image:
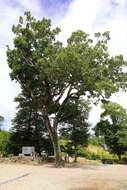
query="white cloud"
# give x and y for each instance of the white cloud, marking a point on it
(113, 18)
(97, 16)
(81, 15)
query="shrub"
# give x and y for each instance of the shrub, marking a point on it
(4, 139)
(98, 153)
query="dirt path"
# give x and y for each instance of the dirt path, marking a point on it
(87, 177)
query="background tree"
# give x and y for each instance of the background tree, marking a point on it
(75, 127)
(1, 121)
(113, 128)
(4, 139)
(51, 75)
(1, 118)
(94, 140)
(28, 129)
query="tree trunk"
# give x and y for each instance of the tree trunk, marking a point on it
(57, 151)
(75, 159)
(54, 138)
(119, 156)
(75, 156)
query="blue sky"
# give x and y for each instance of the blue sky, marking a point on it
(54, 3)
(70, 15)
(50, 7)
(55, 7)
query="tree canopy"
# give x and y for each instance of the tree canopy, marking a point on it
(113, 127)
(51, 75)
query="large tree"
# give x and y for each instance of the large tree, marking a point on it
(113, 128)
(51, 74)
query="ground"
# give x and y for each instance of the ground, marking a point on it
(79, 177)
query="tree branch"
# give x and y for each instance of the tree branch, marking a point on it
(60, 108)
(61, 93)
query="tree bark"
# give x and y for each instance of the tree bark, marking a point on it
(54, 138)
(119, 156)
(75, 156)
(56, 147)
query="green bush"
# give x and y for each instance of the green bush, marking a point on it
(4, 139)
(92, 152)
(123, 160)
(97, 153)
(93, 140)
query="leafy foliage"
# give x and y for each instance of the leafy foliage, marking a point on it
(77, 127)
(4, 139)
(1, 118)
(94, 140)
(93, 152)
(113, 127)
(28, 129)
(1, 121)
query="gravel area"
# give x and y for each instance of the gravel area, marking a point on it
(81, 177)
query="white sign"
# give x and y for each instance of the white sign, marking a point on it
(28, 150)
